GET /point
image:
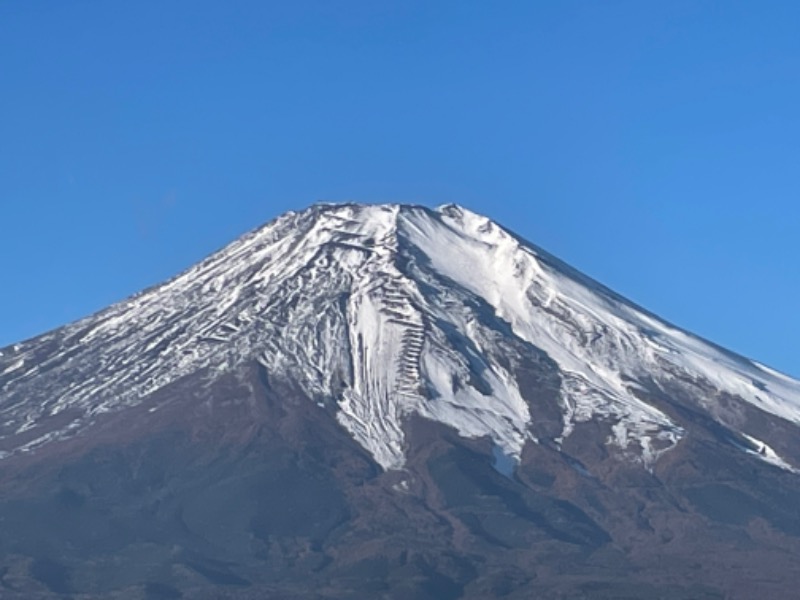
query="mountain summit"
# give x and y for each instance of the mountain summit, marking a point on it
(392, 401)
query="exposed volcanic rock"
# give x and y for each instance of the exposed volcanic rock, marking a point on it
(392, 402)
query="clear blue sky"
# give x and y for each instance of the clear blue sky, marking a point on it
(653, 145)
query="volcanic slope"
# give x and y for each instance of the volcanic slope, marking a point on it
(392, 401)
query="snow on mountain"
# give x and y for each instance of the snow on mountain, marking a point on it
(378, 313)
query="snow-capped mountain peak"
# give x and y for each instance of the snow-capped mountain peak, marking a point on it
(382, 312)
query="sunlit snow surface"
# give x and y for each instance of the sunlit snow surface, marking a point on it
(357, 304)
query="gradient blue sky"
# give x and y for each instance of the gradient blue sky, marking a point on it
(653, 145)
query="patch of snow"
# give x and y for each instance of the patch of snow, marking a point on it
(17, 364)
(767, 454)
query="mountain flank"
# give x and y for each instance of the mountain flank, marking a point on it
(390, 401)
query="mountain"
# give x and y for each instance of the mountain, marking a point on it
(392, 402)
